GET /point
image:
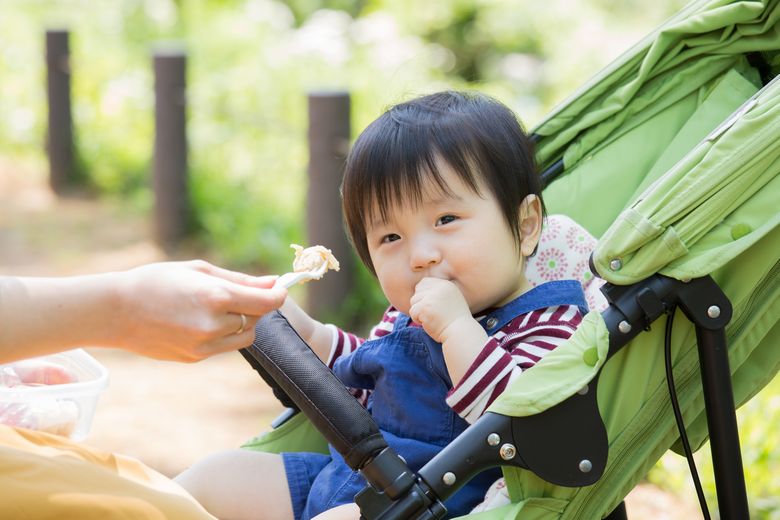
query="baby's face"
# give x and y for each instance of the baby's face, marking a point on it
(462, 237)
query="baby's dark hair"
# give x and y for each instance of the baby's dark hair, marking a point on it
(477, 136)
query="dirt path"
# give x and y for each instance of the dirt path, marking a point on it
(166, 414)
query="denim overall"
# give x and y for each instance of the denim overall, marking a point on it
(409, 381)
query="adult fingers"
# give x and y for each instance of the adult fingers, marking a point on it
(235, 276)
(267, 280)
(254, 301)
(232, 323)
(232, 341)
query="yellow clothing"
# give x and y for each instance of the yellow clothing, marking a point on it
(47, 476)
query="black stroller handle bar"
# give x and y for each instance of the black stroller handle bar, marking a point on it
(302, 378)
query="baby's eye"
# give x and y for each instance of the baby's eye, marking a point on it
(392, 237)
(446, 219)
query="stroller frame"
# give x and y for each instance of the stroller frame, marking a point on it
(708, 308)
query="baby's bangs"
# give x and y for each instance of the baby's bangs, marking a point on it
(395, 167)
(402, 163)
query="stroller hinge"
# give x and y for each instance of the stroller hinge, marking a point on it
(632, 308)
(705, 304)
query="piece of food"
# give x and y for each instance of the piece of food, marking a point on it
(312, 258)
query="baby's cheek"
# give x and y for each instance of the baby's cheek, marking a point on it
(397, 297)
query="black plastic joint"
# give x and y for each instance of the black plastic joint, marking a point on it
(388, 474)
(652, 306)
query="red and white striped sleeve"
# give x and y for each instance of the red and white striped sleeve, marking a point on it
(519, 345)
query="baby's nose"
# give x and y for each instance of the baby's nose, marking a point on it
(424, 256)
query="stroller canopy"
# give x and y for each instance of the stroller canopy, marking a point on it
(671, 156)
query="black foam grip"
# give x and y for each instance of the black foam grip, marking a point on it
(277, 390)
(315, 390)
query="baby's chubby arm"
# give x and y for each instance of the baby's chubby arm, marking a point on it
(313, 332)
(439, 306)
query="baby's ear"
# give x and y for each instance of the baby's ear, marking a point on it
(530, 224)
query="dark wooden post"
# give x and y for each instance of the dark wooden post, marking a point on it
(329, 132)
(171, 209)
(59, 139)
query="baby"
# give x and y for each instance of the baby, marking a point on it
(443, 204)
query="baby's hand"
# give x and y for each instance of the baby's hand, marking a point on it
(436, 305)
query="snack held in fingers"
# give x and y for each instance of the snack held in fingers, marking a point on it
(313, 258)
(310, 263)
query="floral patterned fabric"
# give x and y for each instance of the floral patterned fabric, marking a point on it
(563, 254)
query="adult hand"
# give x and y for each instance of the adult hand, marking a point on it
(187, 311)
(179, 311)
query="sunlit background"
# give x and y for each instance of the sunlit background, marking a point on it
(250, 66)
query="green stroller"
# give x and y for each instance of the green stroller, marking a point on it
(683, 134)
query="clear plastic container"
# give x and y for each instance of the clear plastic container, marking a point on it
(66, 409)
